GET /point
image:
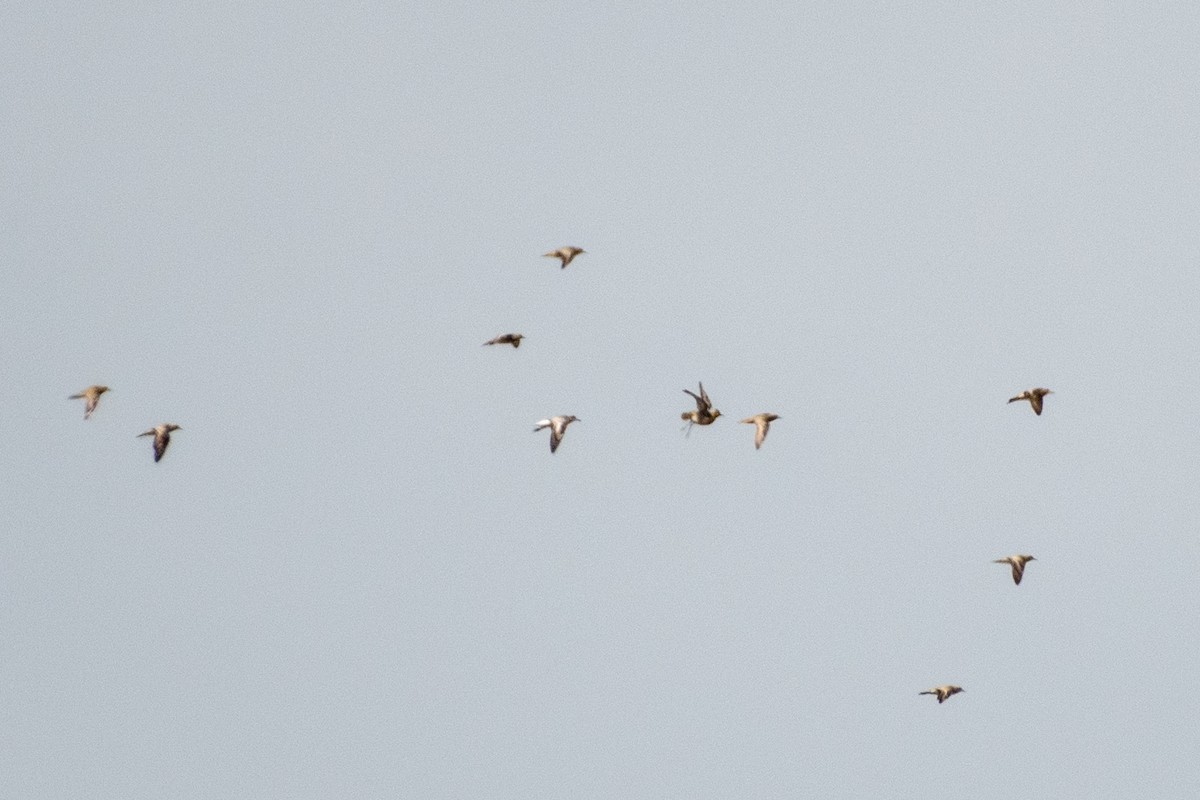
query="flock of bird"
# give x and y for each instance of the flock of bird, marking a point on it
(161, 433)
(706, 414)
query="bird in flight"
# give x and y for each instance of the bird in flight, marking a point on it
(704, 414)
(565, 254)
(1018, 565)
(162, 438)
(944, 692)
(1034, 396)
(762, 423)
(91, 396)
(557, 426)
(508, 338)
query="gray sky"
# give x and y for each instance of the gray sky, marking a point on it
(356, 573)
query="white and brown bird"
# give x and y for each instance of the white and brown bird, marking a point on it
(704, 414)
(565, 254)
(162, 437)
(762, 423)
(557, 426)
(90, 396)
(944, 692)
(507, 338)
(1034, 396)
(1018, 565)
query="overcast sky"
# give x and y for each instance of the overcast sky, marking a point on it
(357, 572)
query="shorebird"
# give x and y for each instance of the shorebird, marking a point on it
(1034, 396)
(508, 338)
(944, 692)
(564, 254)
(704, 414)
(1018, 565)
(162, 438)
(92, 396)
(762, 422)
(557, 426)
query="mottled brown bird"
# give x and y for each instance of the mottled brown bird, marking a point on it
(507, 338)
(944, 692)
(558, 428)
(762, 423)
(1034, 396)
(1018, 565)
(91, 397)
(162, 438)
(704, 414)
(565, 254)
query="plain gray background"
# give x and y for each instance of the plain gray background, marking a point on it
(356, 573)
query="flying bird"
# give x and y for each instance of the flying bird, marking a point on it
(762, 423)
(162, 438)
(508, 338)
(557, 426)
(704, 414)
(92, 396)
(1018, 565)
(565, 254)
(1034, 396)
(944, 692)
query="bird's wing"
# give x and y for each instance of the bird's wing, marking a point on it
(700, 401)
(1036, 402)
(1018, 569)
(160, 445)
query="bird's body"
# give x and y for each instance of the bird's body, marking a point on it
(761, 423)
(162, 438)
(1034, 396)
(704, 414)
(1018, 565)
(944, 692)
(507, 338)
(557, 426)
(90, 396)
(565, 254)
